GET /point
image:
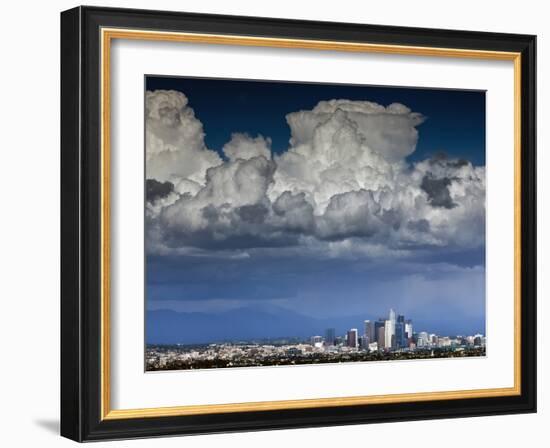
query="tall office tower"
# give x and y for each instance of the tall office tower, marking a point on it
(389, 334)
(369, 331)
(392, 315)
(352, 338)
(381, 336)
(377, 325)
(409, 328)
(400, 339)
(330, 336)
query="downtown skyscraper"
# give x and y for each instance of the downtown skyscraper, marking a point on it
(389, 331)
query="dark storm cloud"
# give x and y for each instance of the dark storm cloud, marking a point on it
(230, 229)
(157, 190)
(438, 191)
(255, 213)
(442, 158)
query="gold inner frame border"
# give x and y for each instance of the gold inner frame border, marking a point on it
(107, 35)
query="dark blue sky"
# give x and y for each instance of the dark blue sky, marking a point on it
(455, 121)
(441, 288)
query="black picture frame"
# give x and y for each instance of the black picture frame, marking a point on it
(81, 415)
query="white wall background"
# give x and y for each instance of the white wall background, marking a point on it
(29, 236)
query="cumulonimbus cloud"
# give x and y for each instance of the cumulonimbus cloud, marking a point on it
(343, 182)
(174, 139)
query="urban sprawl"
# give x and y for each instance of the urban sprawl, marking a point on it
(384, 339)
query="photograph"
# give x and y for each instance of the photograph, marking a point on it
(298, 223)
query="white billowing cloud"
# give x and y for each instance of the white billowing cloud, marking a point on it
(458, 215)
(243, 146)
(174, 139)
(330, 157)
(389, 131)
(231, 205)
(342, 186)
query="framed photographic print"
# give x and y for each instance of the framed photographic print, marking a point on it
(275, 224)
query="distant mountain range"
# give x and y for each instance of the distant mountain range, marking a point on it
(171, 327)
(165, 326)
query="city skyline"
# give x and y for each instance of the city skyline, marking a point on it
(394, 333)
(388, 338)
(403, 327)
